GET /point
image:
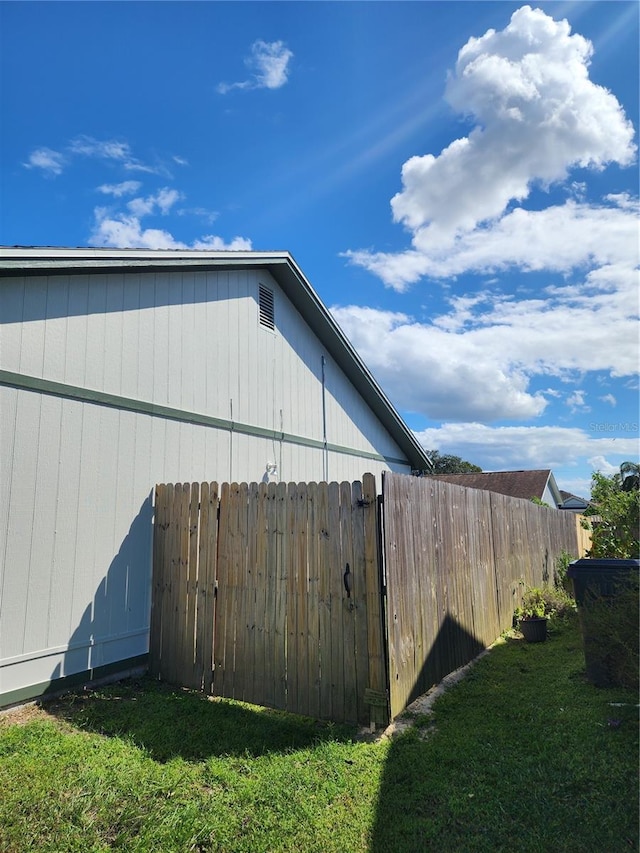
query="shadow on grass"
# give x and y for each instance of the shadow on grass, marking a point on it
(169, 722)
(523, 754)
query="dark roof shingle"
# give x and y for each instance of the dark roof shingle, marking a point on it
(515, 484)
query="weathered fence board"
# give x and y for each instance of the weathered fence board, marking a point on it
(250, 600)
(455, 561)
(273, 593)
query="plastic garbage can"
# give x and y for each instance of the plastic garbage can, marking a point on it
(606, 591)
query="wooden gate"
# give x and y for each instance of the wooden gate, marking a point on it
(271, 594)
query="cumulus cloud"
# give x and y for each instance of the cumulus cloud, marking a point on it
(51, 162)
(125, 231)
(559, 238)
(477, 360)
(527, 82)
(600, 463)
(269, 63)
(530, 447)
(162, 202)
(536, 115)
(576, 402)
(438, 373)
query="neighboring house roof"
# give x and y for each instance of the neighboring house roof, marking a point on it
(281, 266)
(570, 501)
(515, 484)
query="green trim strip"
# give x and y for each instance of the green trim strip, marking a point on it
(120, 669)
(101, 398)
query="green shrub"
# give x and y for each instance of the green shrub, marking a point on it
(560, 579)
(544, 601)
(617, 532)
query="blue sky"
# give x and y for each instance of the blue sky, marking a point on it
(458, 181)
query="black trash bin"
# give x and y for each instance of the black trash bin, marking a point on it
(606, 591)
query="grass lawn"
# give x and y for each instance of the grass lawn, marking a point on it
(523, 755)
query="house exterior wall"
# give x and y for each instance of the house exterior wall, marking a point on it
(117, 382)
(549, 498)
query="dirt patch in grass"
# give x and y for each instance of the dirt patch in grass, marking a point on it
(20, 715)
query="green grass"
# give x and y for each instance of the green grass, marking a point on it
(523, 755)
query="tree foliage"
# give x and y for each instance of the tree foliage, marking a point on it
(617, 504)
(448, 464)
(629, 476)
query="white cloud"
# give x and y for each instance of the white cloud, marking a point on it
(537, 115)
(51, 162)
(599, 463)
(609, 398)
(217, 244)
(269, 62)
(125, 231)
(118, 190)
(560, 238)
(162, 201)
(527, 82)
(529, 447)
(166, 198)
(109, 149)
(209, 216)
(576, 402)
(476, 361)
(439, 373)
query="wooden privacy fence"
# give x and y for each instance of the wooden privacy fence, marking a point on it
(275, 594)
(271, 594)
(455, 560)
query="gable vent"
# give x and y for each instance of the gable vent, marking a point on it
(266, 307)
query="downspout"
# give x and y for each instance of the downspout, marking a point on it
(231, 442)
(325, 452)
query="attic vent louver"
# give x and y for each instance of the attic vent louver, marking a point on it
(266, 307)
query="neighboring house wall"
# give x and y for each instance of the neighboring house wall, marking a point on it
(88, 363)
(551, 497)
(573, 503)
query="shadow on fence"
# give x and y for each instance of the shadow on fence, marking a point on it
(452, 648)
